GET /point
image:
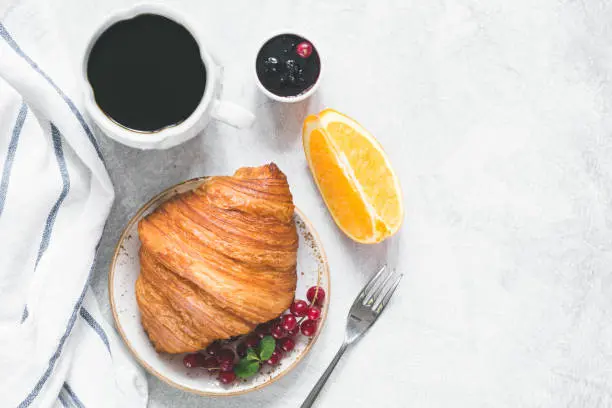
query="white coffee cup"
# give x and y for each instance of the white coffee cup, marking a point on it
(210, 107)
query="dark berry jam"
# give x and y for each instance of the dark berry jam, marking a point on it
(288, 65)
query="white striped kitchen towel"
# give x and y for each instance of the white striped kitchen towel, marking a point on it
(56, 350)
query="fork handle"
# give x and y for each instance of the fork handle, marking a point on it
(310, 399)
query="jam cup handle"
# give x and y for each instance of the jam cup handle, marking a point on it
(232, 114)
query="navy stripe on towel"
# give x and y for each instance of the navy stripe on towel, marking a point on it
(10, 156)
(74, 397)
(96, 326)
(63, 400)
(11, 42)
(61, 162)
(56, 136)
(53, 360)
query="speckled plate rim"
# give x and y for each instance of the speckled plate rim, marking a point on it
(163, 196)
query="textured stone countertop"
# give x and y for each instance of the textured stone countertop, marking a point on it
(496, 116)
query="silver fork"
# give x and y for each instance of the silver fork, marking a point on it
(366, 308)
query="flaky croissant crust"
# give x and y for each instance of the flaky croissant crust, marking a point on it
(217, 261)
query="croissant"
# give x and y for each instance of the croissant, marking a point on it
(217, 261)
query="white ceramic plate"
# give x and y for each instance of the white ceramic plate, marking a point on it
(125, 267)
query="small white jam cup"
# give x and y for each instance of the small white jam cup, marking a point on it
(210, 106)
(289, 99)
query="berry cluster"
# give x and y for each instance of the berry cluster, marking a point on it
(265, 346)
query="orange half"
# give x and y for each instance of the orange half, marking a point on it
(354, 176)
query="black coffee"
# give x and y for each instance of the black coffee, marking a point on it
(147, 73)
(288, 65)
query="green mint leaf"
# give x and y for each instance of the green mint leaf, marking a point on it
(266, 348)
(252, 355)
(246, 368)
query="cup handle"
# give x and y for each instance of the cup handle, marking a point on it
(232, 114)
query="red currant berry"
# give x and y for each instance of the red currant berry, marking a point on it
(213, 349)
(287, 344)
(251, 341)
(288, 322)
(304, 49)
(194, 360)
(278, 332)
(227, 377)
(299, 308)
(241, 350)
(314, 313)
(320, 294)
(263, 329)
(211, 362)
(274, 358)
(294, 332)
(226, 356)
(309, 328)
(226, 366)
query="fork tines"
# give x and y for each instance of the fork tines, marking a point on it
(378, 291)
